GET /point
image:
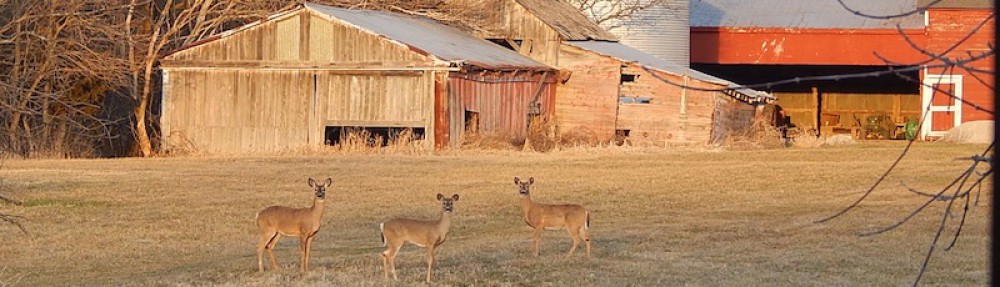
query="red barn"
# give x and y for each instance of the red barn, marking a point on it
(767, 40)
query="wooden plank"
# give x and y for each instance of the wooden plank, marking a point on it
(388, 124)
(439, 112)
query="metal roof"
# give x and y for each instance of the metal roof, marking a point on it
(821, 14)
(625, 53)
(961, 4)
(431, 37)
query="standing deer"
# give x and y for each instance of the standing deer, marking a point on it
(303, 223)
(429, 234)
(573, 217)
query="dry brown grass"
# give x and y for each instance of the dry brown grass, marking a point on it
(660, 218)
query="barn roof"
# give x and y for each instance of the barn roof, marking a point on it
(814, 14)
(571, 24)
(625, 53)
(431, 37)
(961, 4)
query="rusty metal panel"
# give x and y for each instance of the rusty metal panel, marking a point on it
(501, 100)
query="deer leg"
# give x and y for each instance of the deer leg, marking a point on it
(265, 240)
(385, 263)
(586, 239)
(307, 250)
(270, 251)
(537, 236)
(430, 262)
(574, 233)
(389, 258)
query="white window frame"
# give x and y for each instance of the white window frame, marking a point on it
(927, 91)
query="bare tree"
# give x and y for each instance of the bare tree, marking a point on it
(612, 14)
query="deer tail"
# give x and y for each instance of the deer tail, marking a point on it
(381, 228)
(587, 227)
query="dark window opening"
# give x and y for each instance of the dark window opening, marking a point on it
(621, 136)
(759, 74)
(634, 100)
(471, 122)
(506, 44)
(371, 136)
(629, 78)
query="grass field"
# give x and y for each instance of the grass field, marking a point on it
(704, 218)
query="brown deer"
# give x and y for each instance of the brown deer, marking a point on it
(303, 223)
(429, 234)
(573, 217)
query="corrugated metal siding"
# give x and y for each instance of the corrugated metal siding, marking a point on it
(662, 31)
(501, 100)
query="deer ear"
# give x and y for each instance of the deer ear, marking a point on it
(329, 181)
(531, 180)
(517, 180)
(312, 183)
(440, 196)
(454, 197)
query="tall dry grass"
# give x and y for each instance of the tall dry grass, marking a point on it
(660, 218)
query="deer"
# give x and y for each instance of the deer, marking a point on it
(429, 234)
(304, 223)
(574, 218)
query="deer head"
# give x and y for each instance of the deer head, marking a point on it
(320, 188)
(524, 186)
(447, 203)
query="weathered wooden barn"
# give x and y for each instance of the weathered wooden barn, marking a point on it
(769, 40)
(609, 90)
(285, 82)
(650, 100)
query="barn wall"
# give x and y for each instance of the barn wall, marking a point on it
(280, 83)
(731, 118)
(948, 27)
(509, 20)
(795, 46)
(221, 111)
(302, 36)
(674, 115)
(375, 100)
(501, 101)
(845, 110)
(587, 103)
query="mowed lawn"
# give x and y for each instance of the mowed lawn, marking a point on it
(659, 218)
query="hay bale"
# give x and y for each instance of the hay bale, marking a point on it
(980, 132)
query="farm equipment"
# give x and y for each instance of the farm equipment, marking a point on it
(878, 127)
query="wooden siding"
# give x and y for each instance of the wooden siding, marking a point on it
(948, 27)
(284, 39)
(846, 109)
(374, 100)
(674, 115)
(731, 117)
(207, 110)
(587, 103)
(276, 86)
(501, 100)
(509, 20)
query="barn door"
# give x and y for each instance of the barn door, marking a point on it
(942, 102)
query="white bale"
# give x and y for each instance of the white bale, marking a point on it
(970, 132)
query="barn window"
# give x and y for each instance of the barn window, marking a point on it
(371, 136)
(629, 78)
(512, 45)
(621, 136)
(471, 122)
(634, 100)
